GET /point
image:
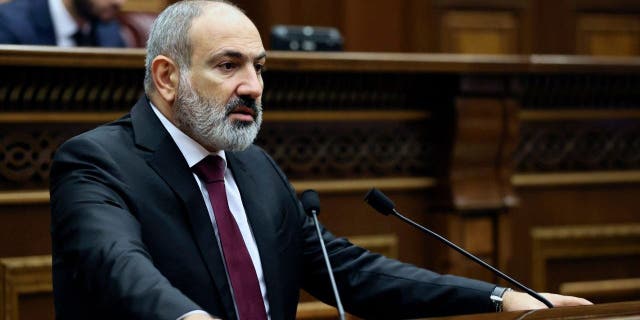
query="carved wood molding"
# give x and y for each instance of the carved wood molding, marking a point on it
(80, 57)
(576, 91)
(579, 242)
(25, 197)
(346, 150)
(22, 276)
(59, 117)
(342, 116)
(275, 116)
(359, 185)
(574, 146)
(616, 288)
(572, 114)
(575, 178)
(318, 151)
(15, 55)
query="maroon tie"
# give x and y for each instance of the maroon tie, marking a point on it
(244, 281)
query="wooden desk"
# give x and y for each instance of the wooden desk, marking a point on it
(619, 311)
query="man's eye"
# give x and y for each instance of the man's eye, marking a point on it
(228, 66)
(259, 68)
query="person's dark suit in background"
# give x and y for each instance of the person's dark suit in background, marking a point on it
(88, 22)
(133, 237)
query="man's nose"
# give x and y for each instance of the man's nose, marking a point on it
(251, 84)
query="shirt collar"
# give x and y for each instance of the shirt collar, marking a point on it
(192, 151)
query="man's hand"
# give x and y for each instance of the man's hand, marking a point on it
(514, 301)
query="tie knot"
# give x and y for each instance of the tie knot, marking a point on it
(210, 169)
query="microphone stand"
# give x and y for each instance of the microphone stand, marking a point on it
(474, 258)
(311, 204)
(326, 261)
(381, 203)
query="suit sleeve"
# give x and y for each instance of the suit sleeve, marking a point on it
(98, 249)
(6, 34)
(372, 286)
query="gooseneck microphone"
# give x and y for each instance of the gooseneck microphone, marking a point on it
(311, 204)
(381, 203)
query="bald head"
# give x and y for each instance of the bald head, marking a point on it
(219, 20)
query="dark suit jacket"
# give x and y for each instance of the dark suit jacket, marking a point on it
(132, 238)
(29, 22)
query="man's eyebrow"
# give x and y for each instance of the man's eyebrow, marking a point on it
(261, 56)
(236, 54)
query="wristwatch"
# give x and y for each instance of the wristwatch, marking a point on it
(496, 297)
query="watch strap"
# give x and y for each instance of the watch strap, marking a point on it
(497, 297)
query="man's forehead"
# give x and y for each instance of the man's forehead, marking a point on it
(215, 32)
(234, 47)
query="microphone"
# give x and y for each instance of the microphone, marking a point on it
(311, 204)
(381, 203)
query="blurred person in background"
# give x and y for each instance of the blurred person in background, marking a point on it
(64, 23)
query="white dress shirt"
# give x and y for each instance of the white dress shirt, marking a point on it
(64, 25)
(193, 152)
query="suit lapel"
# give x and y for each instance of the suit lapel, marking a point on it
(262, 227)
(42, 23)
(167, 160)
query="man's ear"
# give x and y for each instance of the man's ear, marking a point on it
(166, 75)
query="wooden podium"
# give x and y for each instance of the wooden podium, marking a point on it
(619, 311)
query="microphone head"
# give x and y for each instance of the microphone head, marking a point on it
(310, 202)
(376, 199)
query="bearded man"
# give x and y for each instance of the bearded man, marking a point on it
(171, 213)
(64, 23)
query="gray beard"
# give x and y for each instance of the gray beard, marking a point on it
(206, 120)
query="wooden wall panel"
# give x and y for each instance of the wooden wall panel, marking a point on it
(26, 286)
(560, 255)
(608, 34)
(374, 25)
(152, 6)
(565, 205)
(598, 27)
(318, 12)
(603, 290)
(480, 32)
(553, 27)
(421, 26)
(24, 229)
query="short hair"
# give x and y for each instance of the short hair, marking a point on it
(169, 35)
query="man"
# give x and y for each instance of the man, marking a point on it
(64, 23)
(141, 206)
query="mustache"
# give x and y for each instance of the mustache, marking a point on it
(242, 101)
